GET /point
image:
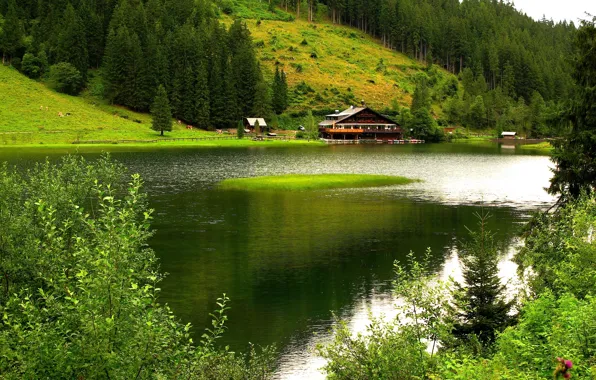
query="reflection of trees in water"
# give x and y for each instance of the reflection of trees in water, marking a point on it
(287, 259)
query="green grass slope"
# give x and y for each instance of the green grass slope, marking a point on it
(328, 66)
(23, 122)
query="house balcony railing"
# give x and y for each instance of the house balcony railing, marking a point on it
(338, 130)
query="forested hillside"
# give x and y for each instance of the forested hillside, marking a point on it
(513, 71)
(209, 71)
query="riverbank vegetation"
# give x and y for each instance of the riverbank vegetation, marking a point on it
(79, 295)
(300, 182)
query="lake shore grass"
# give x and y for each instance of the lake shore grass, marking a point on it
(305, 182)
(84, 148)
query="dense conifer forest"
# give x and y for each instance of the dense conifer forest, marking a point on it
(209, 71)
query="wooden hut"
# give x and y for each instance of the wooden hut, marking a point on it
(508, 135)
(250, 122)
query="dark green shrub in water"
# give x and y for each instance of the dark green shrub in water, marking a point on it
(79, 295)
(65, 78)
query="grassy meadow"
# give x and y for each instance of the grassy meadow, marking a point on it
(302, 182)
(22, 122)
(328, 66)
(331, 66)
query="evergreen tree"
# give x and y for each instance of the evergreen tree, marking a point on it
(262, 99)
(72, 42)
(11, 38)
(575, 156)
(161, 112)
(478, 113)
(240, 130)
(116, 64)
(257, 127)
(280, 92)
(421, 97)
(480, 308)
(136, 89)
(201, 96)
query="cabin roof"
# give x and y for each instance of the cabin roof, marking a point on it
(508, 133)
(343, 115)
(251, 121)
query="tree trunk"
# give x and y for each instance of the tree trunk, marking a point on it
(161, 132)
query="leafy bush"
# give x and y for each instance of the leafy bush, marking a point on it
(403, 348)
(32, 66)
(80, 287)
(65, 78)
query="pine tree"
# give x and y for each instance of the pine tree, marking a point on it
(421, 98)
(262, 98)
(11, 39)
(478, 113)
(72, 42)
(201, 96)
(575, 155)
(279, 102)
(480, 308)
(240, 130)
(257, 127)
(161, 112)
(116, 65)
(136, 78)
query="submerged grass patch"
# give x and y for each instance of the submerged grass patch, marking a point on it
(300, 182)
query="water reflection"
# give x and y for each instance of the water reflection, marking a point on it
(287, 260)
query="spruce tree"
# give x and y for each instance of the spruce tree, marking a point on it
(116, 65)
(480, 306)
(161, 112)
(257, 128)
(421, 98)
(201, 96)
(11, 39)
(575, 155)
(262, 99)
(279, 102)
(72, 42)
(240, 130)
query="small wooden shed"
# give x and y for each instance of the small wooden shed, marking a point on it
(250, 122)
(508, 135)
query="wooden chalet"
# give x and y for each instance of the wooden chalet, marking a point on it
(359, 123)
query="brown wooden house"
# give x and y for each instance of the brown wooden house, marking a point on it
(359, 123)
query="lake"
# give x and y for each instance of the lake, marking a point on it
(288, 261)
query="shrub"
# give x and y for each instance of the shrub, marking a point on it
(65, 78)
(32, 66)
(80, 295)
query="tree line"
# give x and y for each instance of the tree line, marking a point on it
(210, 71)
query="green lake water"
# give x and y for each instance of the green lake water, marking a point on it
(288, 260)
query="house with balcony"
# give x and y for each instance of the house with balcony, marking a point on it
(359, 123)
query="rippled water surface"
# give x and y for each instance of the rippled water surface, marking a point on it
(288, 260)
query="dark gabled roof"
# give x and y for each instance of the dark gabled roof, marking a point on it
(356, 110)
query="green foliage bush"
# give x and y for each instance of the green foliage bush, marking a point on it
(79, 296)
(65, 78)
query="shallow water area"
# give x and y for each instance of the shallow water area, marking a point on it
(287, 260)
